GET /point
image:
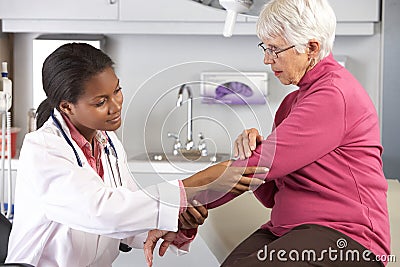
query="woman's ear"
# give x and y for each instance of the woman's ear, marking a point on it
(314, 48)
(66, 107)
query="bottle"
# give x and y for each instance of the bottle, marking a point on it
(31, 120)
(5, 89)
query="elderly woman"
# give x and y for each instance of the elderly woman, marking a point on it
(325, 186)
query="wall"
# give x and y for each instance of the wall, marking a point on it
(4, 47)
(140, 59)
(151, 66)
(391, 92)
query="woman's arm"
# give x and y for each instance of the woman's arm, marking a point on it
(313, 128)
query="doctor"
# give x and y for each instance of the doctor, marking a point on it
(75, 200)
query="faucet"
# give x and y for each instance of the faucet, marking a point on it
(189, 145)
(202, 146)
(189, 141)
(177, 144)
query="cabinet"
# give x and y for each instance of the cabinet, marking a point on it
(52, 9)
(357, 10)
(158, 17)
(172, 10)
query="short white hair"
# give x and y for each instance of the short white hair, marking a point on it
(298, 21)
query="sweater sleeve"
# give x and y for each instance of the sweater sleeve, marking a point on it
(314, 127)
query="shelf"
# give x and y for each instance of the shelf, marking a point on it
(159, 28)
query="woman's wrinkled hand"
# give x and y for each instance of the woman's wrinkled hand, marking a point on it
(152, 238)
(246, 142)
(194, 216)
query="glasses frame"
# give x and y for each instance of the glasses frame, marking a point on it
(273, 53)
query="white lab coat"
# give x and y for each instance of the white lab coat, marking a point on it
(67, 216)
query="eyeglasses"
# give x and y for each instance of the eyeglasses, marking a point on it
(273, 53)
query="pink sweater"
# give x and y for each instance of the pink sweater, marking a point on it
(325, 162)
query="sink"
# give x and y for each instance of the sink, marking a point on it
(185, 157)
(165, 163)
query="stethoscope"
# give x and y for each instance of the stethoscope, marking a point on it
(113, 151)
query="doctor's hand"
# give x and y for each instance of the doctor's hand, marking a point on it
(223, 178)
(152, 238)
(246, 142)
(193, 216)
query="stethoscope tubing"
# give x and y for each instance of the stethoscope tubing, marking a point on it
(58, 124)
(106, 150)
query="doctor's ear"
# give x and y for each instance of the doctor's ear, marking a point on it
(65, 107)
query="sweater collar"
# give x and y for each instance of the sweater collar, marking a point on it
(321, 68)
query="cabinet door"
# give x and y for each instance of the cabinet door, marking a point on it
(357, 10)
(171, 10)
(59, 9)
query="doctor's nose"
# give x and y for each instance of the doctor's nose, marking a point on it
(115, 105)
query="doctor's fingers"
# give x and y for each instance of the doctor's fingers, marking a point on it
(240, 188)
(185, 224)
(200, 208)
(193, 216)
(251, 183)
(235, 175)
(188, 221)
(254, 170)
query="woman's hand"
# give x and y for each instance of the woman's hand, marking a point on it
(152, 238)
(223, 178)
(193, 216)
(246, 142)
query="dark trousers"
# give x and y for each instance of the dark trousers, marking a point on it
(305, 245)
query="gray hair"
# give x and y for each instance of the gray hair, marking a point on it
(298, 21)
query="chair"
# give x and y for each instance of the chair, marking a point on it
(5, 229)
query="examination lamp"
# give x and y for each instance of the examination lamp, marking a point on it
(233, 7)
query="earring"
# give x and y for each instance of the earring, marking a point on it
(312, 62)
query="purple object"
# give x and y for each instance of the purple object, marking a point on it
(233, 88)
(233, 93)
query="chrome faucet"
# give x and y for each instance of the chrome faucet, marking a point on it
(177, 144)
(178, 148)
(202, 146)
(189, 141)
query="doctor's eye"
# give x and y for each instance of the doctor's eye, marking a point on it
(119, 89)
(101, 103)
